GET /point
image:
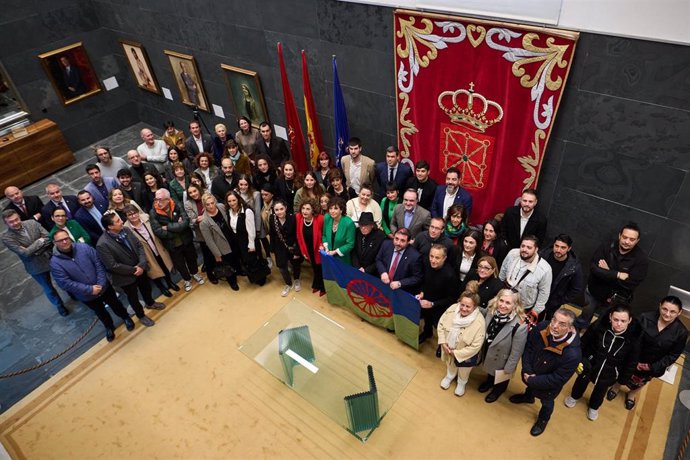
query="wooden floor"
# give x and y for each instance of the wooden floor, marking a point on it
(182, 389)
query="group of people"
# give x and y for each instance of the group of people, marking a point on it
(492, 290)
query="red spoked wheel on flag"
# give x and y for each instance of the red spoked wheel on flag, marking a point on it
(369, 299)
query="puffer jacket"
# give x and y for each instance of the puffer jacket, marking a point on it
(610, 357)
(78, 273)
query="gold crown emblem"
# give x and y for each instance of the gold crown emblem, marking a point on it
(467, 107)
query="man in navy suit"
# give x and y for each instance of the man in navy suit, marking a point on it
(399, 264)
(392, 170)
(99, 187)
(89, 216)
(56, 199)
(28, 207)
(198, 142)
(451, 194)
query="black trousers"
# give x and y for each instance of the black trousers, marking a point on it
(132, 292)
(317, 283)
(431, 318)
(598, 392)
(98, 304)
(296, 269)
(497, 388)
(184, 260)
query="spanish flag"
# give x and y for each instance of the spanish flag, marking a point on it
(313, 128)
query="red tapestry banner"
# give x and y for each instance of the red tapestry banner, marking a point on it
(481, 96)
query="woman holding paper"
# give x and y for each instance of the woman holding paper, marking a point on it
(460, 336)
(504, 342)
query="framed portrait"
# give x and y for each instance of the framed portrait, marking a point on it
(245, 93)
(71, 73)
(188, 80)
(140, 66)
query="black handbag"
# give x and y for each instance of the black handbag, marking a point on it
(471, 362)
(224, 271)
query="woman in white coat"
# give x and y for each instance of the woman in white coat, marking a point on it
(461, 335)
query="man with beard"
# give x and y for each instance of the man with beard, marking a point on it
(523, 219)
(130, 188)
(399, 264)
(451, 194)
(425, 186)
(225, 181)
(616, 268)
(567, 281)
(525, 272)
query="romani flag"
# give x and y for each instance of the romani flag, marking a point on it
(372, 300)
(313, 128)
(294, 128)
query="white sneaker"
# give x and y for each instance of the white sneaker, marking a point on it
(187, 286)
(285, 291)
(198, 278)
(297, 285)
(592, 414)
(570, 402)
(460, 389)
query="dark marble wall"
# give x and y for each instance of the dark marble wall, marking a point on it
(32, 27)
(619, 150)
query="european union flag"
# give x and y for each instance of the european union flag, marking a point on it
(342, 132)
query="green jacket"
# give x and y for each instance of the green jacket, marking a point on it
(344, 241)
(77, 231)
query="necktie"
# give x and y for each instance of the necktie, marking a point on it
(67, 211)
(394, 265)
(391, 176)
(23, 208)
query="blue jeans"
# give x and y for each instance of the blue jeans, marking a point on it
(47, 285)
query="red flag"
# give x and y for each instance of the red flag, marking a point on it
(313, 128)
(294, 129)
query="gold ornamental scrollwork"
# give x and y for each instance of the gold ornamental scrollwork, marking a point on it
(531, 162)
(549, 57)
(412, 36)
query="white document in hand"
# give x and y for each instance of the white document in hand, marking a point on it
(502, 376)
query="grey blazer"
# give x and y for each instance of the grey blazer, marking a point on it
(190, 209)
(119, 261)
(506, 349)
(34, 250)
(213, 235)
(420, 220)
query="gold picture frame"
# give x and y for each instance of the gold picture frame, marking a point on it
(140, 65)
(71, 73)
(188, 80)
(244, 87)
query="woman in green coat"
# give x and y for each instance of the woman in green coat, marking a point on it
(338, 231)
(388, 204)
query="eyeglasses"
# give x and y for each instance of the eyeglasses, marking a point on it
(62, 240)
(485, 267)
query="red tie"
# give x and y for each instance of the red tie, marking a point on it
(23, 206)
(394, 265)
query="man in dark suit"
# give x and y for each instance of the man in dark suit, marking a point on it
(130, 188)
(276, 148)
(28, 207)
(56, 199)
(523, 219)
(74, 85)
(399, 264)
(368, 240)
(198, 142)
(139, 168)
(89, 216)
(392, 170)
(410, 216)
(451, 194)
(425, 186)
(123, 257)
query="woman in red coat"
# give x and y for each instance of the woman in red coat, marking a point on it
(309, 233)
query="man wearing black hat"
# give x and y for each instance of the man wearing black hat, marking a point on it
(368, 241)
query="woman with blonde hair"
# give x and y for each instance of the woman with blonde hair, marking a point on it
(504, 341)
(461, 332)
(117, 201)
